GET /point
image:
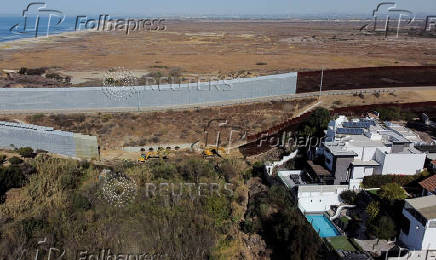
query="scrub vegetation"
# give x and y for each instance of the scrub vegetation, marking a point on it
(63, 202)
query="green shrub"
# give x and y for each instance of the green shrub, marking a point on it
(373, 209)
(194, 169)
(384, 228)
(376, 181)
(15, 160)
(228, 170)
(31, 225)
(251, 226)
(218, 208)
(11, 177)
(68, 181)
(55, 76)
(257, 169)
(2, 159)
(36, 71)
(26, 152)
(315, 123)
(391, 192)
(394, 114)
(80, 202)
(36, 117)
(348, 197)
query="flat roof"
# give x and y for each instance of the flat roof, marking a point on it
(318, 169)
(357, 162)
(426, 206)
(338, 150)
(320, 188)
(411, 150)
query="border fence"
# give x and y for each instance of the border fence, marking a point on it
(14, 135)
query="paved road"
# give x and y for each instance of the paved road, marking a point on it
(145, 97)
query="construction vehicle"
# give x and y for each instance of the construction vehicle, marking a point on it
(213, 152)
(161, 153)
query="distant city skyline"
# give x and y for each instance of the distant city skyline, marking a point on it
(222, 8)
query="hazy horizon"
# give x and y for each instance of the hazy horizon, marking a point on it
(222, 8)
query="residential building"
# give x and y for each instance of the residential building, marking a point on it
(429, 149)
(433, 165)
(428, 186)
(363, 147)
(420, 231)
(319, 198)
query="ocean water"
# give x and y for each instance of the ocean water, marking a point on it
(6, 22)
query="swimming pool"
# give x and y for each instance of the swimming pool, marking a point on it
(322, 225)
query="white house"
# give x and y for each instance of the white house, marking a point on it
(420, 233)
(363, 147)
(319, 198)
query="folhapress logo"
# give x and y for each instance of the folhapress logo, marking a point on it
(37, 11)
(388, 17)
(39, 20)
(105, 23)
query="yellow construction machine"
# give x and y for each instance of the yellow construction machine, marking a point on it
(161, 153)
(213, 152)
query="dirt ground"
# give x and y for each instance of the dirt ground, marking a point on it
(402, 95)
(115, 130)
(203, 47)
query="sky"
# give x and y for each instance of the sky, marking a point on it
(218, 7)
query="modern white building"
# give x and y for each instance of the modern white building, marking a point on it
(363, 147)
(420, 233)
(352, 149)
(319, 198)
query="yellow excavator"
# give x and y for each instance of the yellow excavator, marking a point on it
(161, 153)
(213, 152)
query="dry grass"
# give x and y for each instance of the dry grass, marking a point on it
(173, 126)
(222, 47)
